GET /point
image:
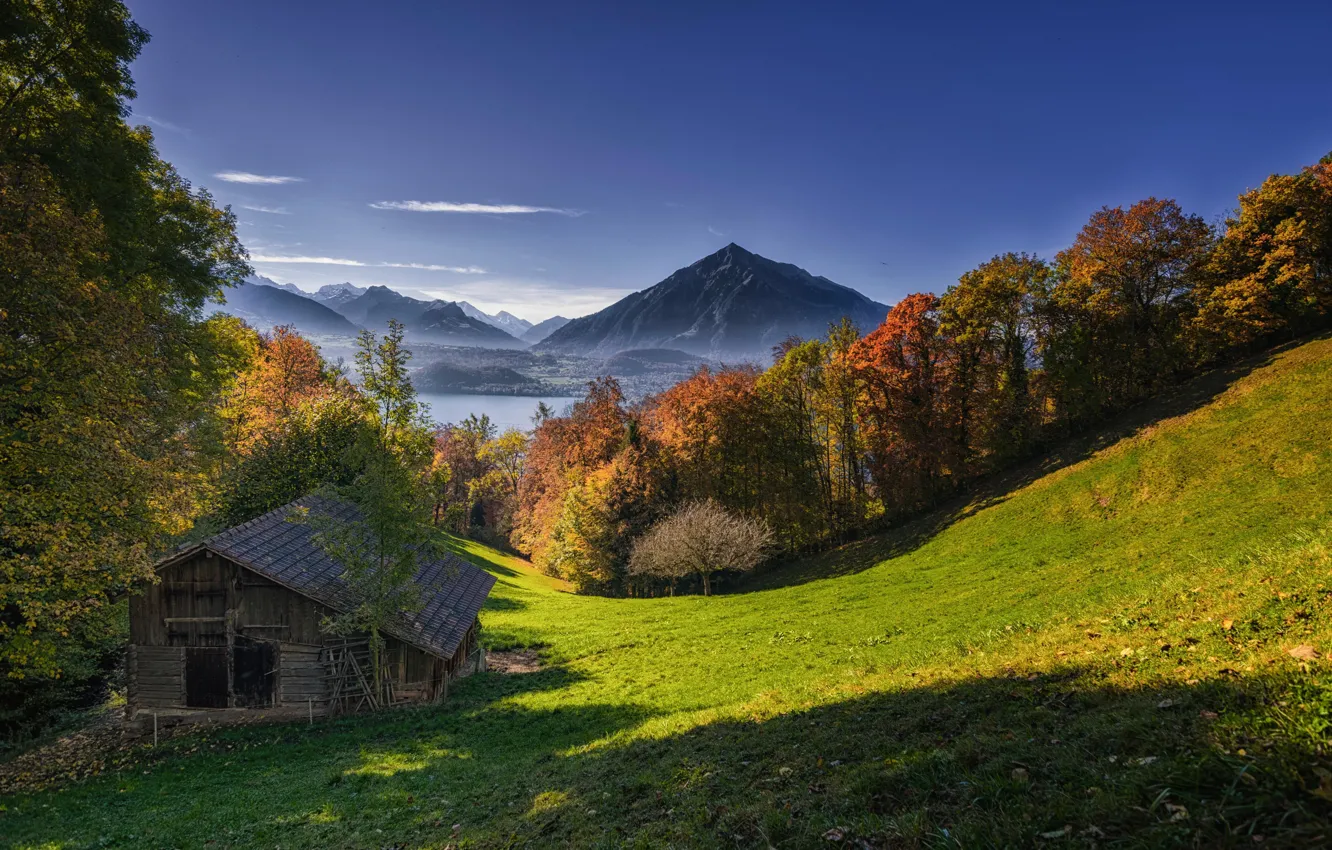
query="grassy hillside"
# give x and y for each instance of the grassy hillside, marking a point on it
(1125, 650)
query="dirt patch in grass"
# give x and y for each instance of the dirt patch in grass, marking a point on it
(513, 661)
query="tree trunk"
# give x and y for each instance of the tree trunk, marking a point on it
(707, 584)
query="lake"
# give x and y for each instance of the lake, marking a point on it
(504, 410)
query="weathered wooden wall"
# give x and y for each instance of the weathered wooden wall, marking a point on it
(208, 601)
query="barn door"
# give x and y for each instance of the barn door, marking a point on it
(206, 676)
(252, 667)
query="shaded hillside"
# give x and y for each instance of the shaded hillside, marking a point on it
(266, 306)
(543, 329)
(1128, 651)
(731, 305)
(637, 362)
(431, 321)
(444, 377)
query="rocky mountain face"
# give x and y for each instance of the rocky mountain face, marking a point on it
(541, 330)
(731, 305)
(265, 306)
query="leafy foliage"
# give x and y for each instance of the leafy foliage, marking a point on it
(107, 373)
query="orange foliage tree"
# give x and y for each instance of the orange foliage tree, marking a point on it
(911, 410)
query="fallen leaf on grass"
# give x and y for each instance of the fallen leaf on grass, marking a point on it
(1227, 624)
(834, 834)
(1303, 652)
(1057, 833)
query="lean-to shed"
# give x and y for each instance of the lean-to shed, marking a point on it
(236, 622)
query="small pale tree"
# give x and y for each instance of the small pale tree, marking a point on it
(391, 535)
(701, 538)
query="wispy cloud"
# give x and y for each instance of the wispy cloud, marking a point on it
(534, 300)
(255, 179)
(714, 231)
(433, 268)
(271, 210)
(340, 261)
(159, 123)
(485, 209)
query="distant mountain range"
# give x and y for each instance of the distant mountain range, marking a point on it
(343, 309)
(264, 304)
(733, 304)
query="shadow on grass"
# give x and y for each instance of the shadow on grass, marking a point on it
(1010, 760)
(1004, 761)
(455, 546)
(910, 534)
(503, 603)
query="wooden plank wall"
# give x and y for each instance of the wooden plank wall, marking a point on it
(208, 600)
(301, 675)
(157, 676)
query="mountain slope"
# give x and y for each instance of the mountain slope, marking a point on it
(732, 304)
(265, 306)
(445, 322)
(431, 321)
(285, 287)
(1127, 651)
(543, 329)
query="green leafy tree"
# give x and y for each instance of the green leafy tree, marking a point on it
(990, 316)
(107, 372)
(392, 534)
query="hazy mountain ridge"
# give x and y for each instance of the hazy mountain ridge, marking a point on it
(543, 329)
(265, 305)
(728, 305)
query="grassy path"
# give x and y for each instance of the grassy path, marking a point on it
(1104, 655)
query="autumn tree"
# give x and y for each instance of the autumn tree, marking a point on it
(563, 451)
(702, 539)
(912, 415)
(990, 318)
(460, 467)
(286, 371)
(1271, 271)
(107, 257)
(1114, 314)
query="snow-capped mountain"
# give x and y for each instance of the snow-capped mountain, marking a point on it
(265, 305)
(334, 294)
(731, 304)
(504, 320)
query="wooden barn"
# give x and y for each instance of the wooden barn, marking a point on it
(235, 623)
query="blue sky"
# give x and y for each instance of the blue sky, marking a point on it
(565, 154)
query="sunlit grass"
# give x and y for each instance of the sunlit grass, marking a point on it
(1100, 648)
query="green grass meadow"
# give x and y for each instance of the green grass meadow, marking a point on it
(1123, 646)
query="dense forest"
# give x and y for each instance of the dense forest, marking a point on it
(130, 423)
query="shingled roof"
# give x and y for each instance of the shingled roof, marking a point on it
(452, 589)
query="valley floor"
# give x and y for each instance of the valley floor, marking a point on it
(1126, 651)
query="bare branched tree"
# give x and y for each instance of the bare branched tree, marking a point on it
(702, 537)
